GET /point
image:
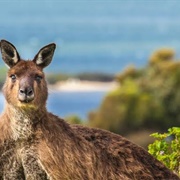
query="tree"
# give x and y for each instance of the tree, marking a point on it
(147, 98)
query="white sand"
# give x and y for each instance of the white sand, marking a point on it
(73, 85)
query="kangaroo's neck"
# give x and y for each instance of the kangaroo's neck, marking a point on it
(24, 121)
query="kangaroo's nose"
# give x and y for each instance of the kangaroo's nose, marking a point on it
(26, 94)
(26, 91)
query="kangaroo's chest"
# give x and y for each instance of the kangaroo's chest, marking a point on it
(26, 141)
(30, 162)
(10, 164)
(19, 161)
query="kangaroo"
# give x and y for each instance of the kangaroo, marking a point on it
(36, 144)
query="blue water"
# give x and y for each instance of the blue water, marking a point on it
(94, 36)
(74, 103)
(91, 36)
(64, 104)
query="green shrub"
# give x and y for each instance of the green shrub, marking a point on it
(146, 98)
(166, 148)
(74, 119)
(164, 54)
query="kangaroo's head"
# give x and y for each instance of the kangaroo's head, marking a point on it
(25, 84)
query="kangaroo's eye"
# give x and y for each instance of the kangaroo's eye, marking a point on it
(38, 78)
(13, 77)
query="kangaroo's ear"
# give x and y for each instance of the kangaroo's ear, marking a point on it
(9, 53)
(45, 55)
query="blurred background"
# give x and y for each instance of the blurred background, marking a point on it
(116, 65)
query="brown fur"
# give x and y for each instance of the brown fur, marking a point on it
(35, 144)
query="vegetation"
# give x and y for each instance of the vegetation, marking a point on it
(166, 148)
(147, 98)
(53, 78)
(2, 75)
(74, 119)
(103, 77)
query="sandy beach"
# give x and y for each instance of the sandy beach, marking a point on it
(72, 85)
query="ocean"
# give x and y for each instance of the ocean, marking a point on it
(91, 36)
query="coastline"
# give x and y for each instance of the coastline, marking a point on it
(76, 85)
